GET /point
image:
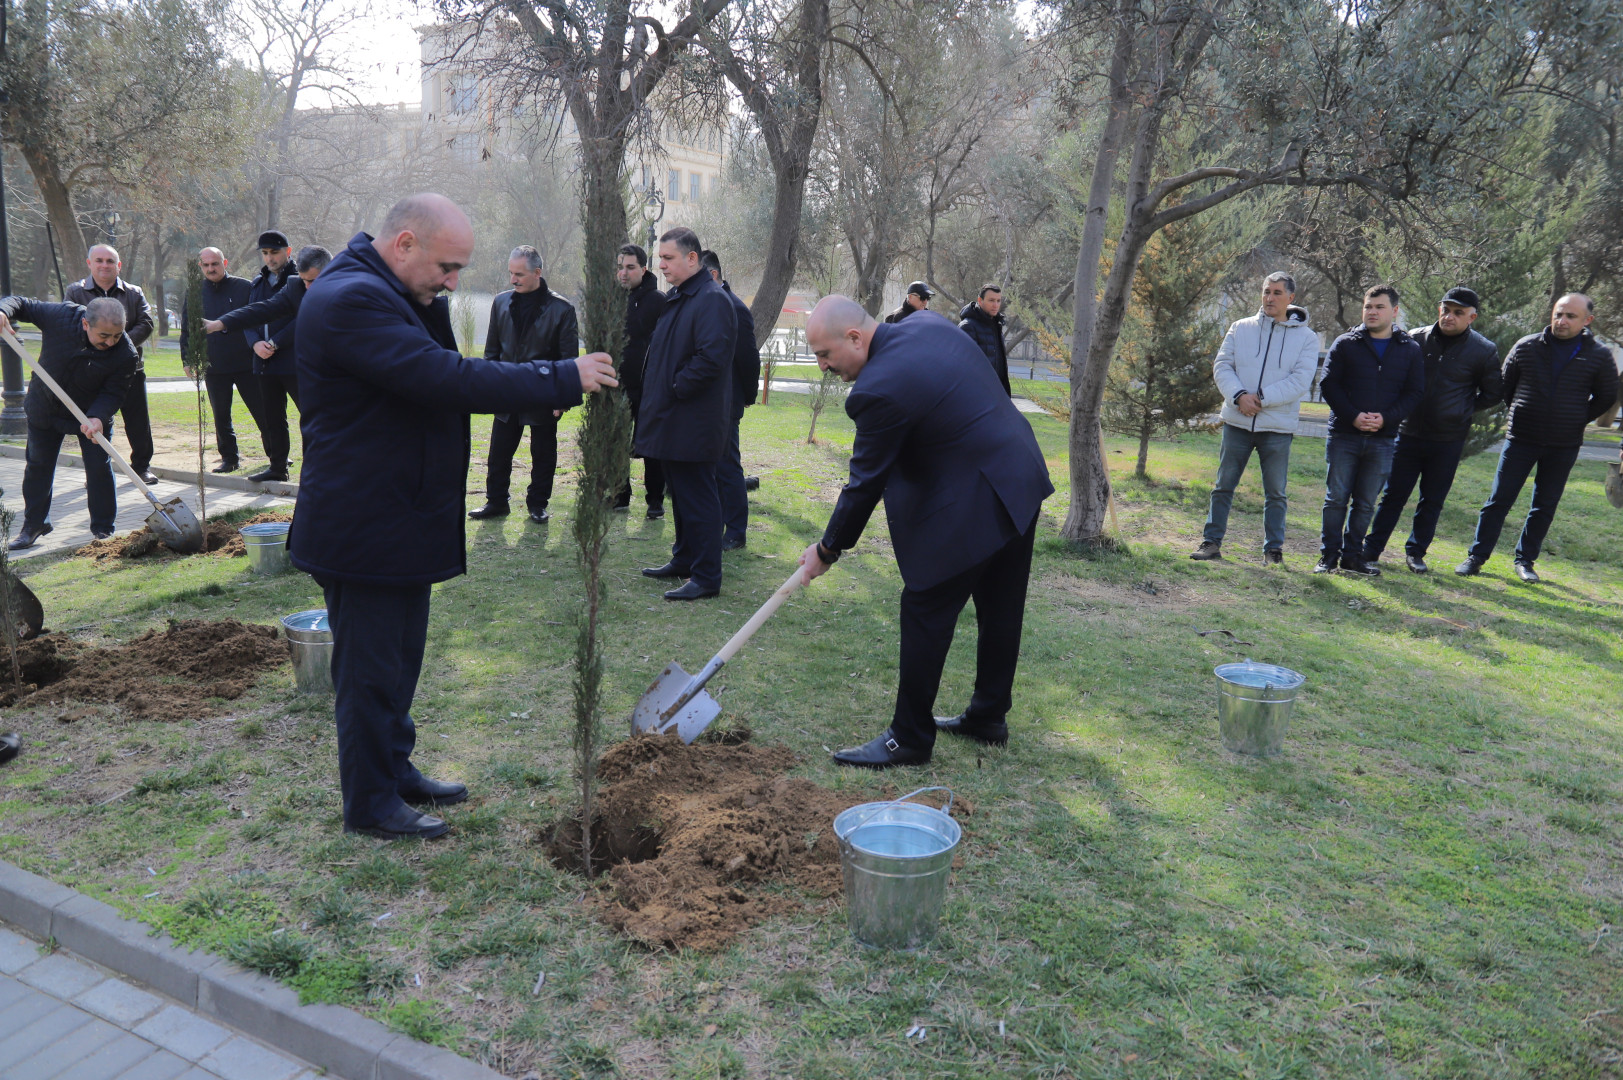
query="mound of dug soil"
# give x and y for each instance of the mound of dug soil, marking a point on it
(163, 674)
(693, 832)
(219, 538)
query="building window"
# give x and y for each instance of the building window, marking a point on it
(647, 179)
(695, 181)
(465, 148)
(461, 94)
(673, 186)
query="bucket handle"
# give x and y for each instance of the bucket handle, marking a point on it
(946, 808)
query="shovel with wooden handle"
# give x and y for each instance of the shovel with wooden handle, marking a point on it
(172, 521)
(678, 700)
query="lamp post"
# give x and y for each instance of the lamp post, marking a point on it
(654, 210)
(13, 421)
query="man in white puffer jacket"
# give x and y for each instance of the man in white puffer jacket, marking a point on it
(1264, 369)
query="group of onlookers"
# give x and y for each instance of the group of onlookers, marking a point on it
(982, 319)
(1401, 409)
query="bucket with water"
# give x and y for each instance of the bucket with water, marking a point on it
(1254, 706)
(895, 857)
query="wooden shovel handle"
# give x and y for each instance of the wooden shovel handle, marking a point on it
(774, 602)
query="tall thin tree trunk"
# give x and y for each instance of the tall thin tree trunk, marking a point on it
(70, 238)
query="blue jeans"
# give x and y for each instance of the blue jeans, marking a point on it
(1274, 452)
(1358, 468)
(1516, 462)
(44, 444)
(1433, 464)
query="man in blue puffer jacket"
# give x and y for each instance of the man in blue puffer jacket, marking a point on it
(1264, 369)
(1374, 378)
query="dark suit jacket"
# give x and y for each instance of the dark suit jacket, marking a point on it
(385, 397)
(687, 391)
(644, 305)
(280, 331)
(555, 335)
(228, 353)
(746, 357)
(958, 466)
(96, 379)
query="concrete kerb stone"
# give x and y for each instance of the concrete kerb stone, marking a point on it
(341, 1041)
(180, 476)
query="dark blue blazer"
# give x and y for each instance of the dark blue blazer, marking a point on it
(278, 331)
(96, 379)
(958, 466)
(687, 381)
(385, 397)
(1356, 380)
(228, 353)
(746, 357)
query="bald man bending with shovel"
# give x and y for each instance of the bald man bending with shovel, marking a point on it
(962, 479)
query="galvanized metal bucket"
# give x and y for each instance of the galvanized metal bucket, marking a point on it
(895, 857)
(309, 639)
(267, 547)
(1254, 706)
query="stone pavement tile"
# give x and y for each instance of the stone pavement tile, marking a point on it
(58, 1023)
(25, 1011)
(60, 976)
(16, 952)
(196, 1073)
(160, 1066)
(66, 1052)
(119, 1002)
(12, 991)
(242, 1059)
(178, 1030)
(113, 1059)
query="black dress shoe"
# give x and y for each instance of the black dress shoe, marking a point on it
(732, 545)
(9, 746)
(540, 517)
(404, 824)
(225, 467)
(436, 793)
(669, 570)
(272, 475)
(490, 510)
(691, 591)
(656, 511)
(29, 537)
(1469, 568)
(101, 534)
(1354, 564)
(1416, 563)
(1525, 571)
(148, 477)
(751, 483)
(986, 734)
(882, 753)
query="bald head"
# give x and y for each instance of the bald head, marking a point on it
(426, 240)
(1572, 315)
(838, 332)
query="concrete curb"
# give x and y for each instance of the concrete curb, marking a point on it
(338, 1040)
(179, 476)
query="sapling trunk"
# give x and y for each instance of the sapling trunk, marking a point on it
(196, 362)
(8, 607)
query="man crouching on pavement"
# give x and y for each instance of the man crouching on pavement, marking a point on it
(962, 480)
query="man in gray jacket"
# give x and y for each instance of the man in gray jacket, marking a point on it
(1264, 369)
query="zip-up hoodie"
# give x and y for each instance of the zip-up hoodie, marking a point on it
(1274, 359)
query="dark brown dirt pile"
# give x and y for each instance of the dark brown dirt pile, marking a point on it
(219, 538)
(693, 832)
(168, 674)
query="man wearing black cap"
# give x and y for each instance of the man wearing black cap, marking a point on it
(917, 299)
(1462, 377)
(272, 343)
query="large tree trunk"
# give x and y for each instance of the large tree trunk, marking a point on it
(782, 251)
(70, 238)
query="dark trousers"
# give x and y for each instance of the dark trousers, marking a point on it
(653, 474)
(1516, 462)
(274, 391)
(735, 503)
(929, 617)
(1433, 464)
(697, 508)
(220, 385)
(39, 470)
(137, 422)
(1358, 466)
(378, 636)
(505, 435)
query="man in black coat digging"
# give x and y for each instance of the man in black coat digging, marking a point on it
(386, 403)
(686, 406)
(230, 360)
(962, 479)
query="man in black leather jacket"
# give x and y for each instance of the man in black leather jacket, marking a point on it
(644, 304)
(1462, 378)
(527, 324)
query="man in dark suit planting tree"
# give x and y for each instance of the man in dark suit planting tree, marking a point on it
(963, 480)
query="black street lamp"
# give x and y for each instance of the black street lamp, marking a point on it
(654, 210)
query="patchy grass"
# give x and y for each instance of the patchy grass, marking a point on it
(1424, 884)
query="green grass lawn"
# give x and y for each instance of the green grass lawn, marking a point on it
(1426, 883)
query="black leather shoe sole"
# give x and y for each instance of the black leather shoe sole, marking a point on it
(1468, 568)
(655, 513)
(269, 476)
(691, 591)
(406, 825)
(986, 735)
(225, 467)
(669, 570)
(448, 798)
(485, 513)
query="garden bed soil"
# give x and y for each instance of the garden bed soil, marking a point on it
(219, 538)
(173, 674)
(701, 839)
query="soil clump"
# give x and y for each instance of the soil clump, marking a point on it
(167, 674)
(693, 835)
(219, 538)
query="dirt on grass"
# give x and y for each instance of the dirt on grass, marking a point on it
(219, 538)
(173, 674)
(701, 839)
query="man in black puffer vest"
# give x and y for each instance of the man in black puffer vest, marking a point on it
(1373, 379)
(528, 323)
(1462, 377)
(983, 322)
(1556, 382)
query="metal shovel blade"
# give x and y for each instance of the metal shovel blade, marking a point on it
(26, 608)
(176, 525)
(689, 721)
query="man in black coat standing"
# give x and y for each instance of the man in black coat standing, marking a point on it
(644, 305)
(1556, 383)
(104, 265)
(983, 322)
(962, 479)
(274, 365)
(746, 374)
(387, 396)
(1462, 377)
(527, 323)
(917, 299)
(230, 360)
(686, 409)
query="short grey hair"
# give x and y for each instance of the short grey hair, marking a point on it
(1283, 278)
(104, 311)
(109, 248)
(532, 258)
(312, 257)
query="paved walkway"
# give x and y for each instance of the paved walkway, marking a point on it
(64, 1019)
(70, 513)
